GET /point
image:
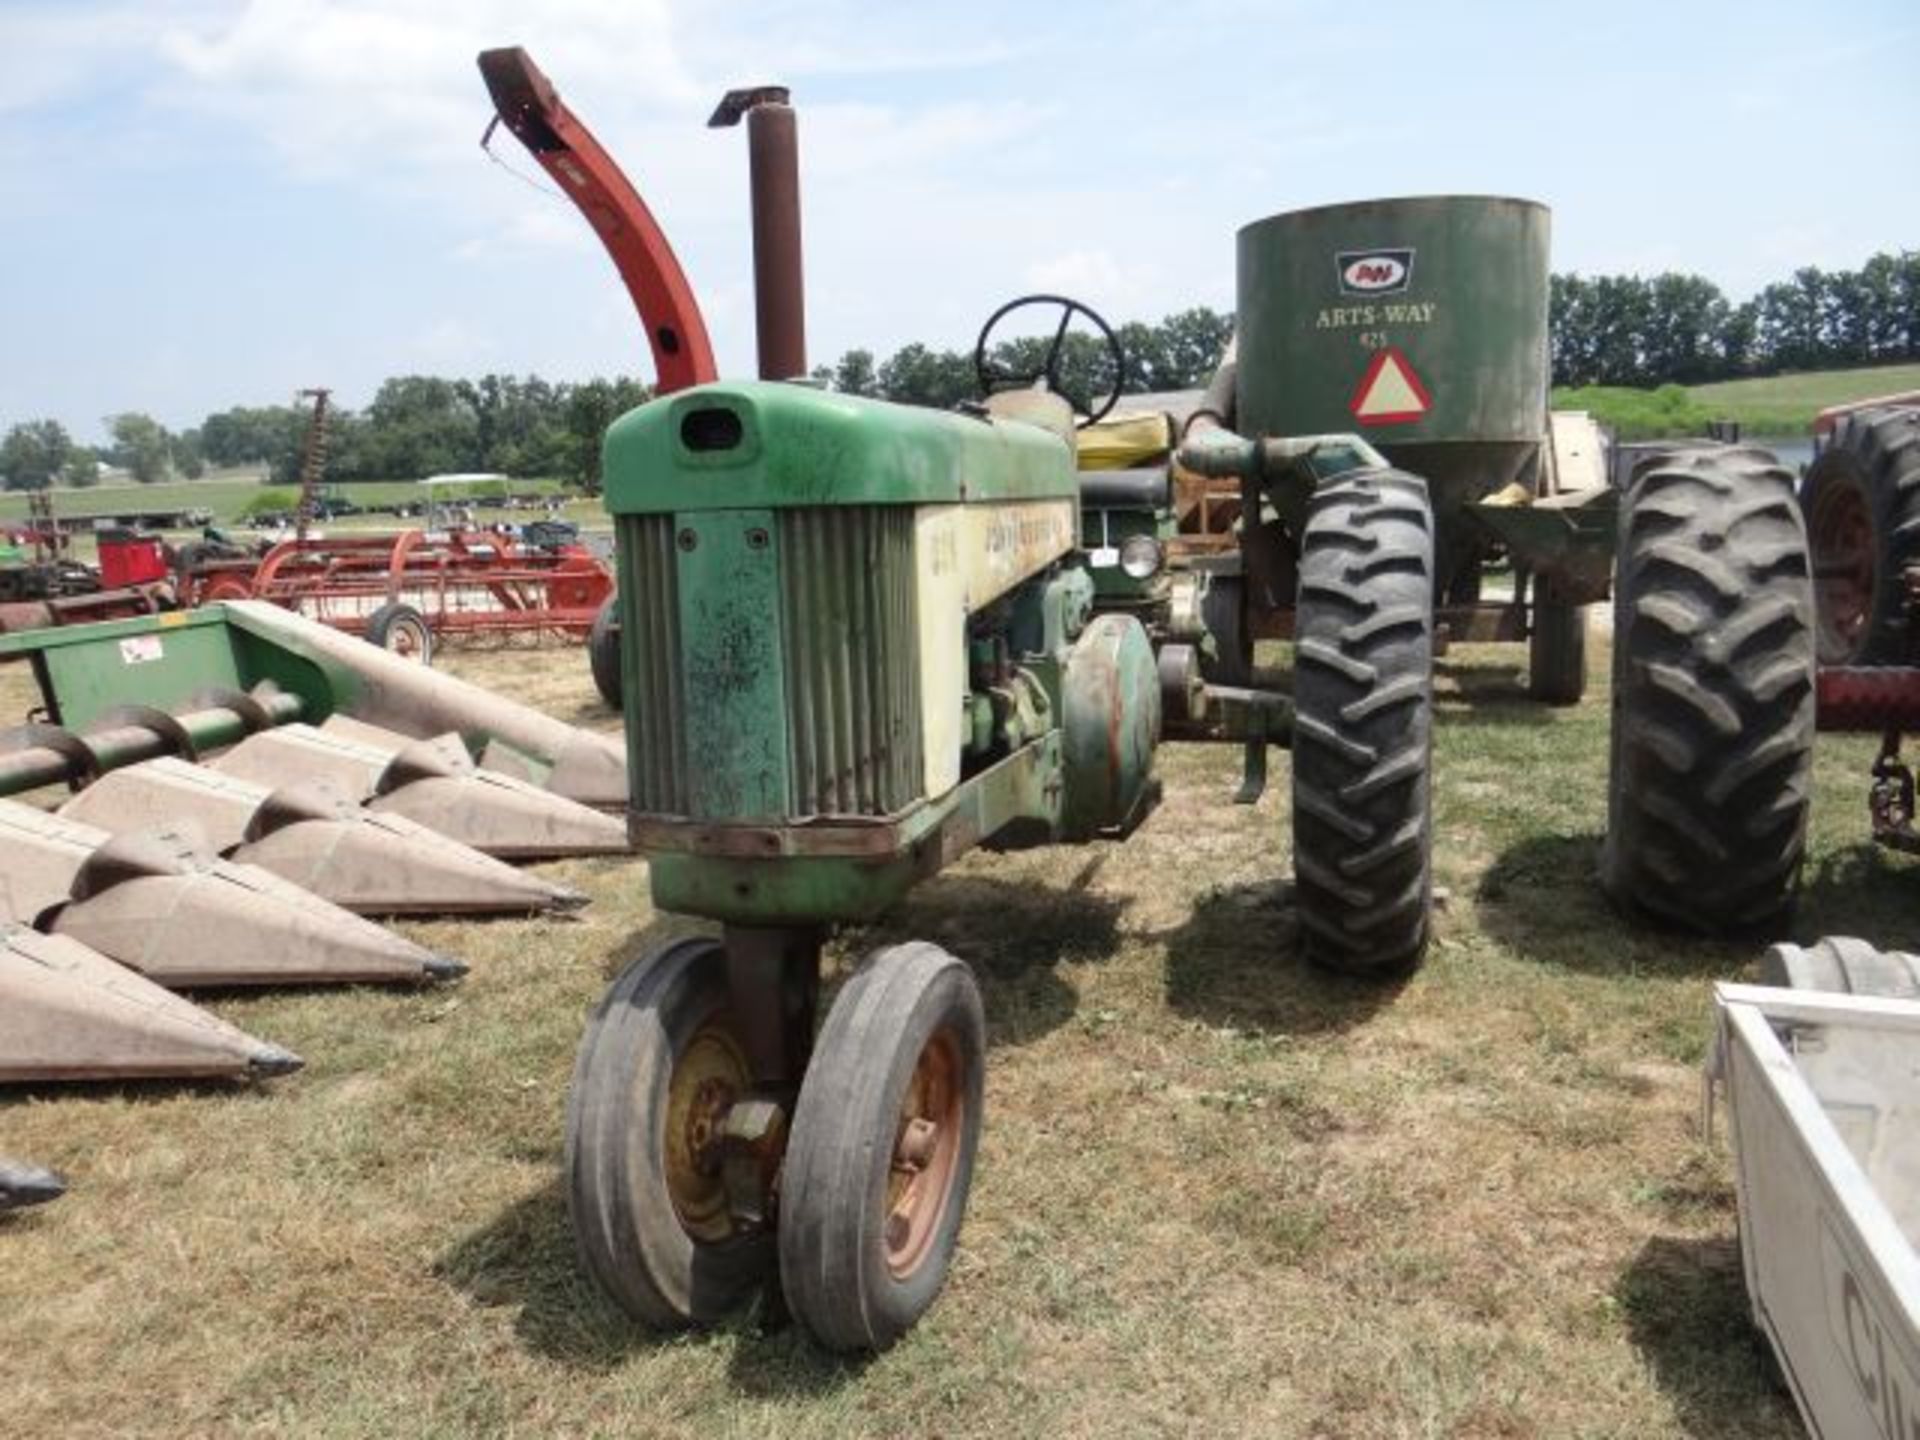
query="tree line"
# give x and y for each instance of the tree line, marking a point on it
(1605, 330)
(417, 425)
(1680, 329)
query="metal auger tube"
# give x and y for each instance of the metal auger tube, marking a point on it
(40, 754)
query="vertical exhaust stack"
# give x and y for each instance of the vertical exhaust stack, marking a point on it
(159, 902)
(779, 274)
(69, 1013)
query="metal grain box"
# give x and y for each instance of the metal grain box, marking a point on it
(1824, 1094)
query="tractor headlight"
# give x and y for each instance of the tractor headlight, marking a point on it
(1140, 556)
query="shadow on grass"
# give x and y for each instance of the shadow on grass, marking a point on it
(139, 1092)
(1861, 889)
(1542, 900)
(1014, 935)
(524, 1260)
(1685, 1304)
(1237, 961)
(1485, 694)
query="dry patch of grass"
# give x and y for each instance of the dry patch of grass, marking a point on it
(1218, 1192)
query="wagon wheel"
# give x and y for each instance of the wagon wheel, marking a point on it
(662, 1063)
(603, 651)
(403, 631)
(868, 1230)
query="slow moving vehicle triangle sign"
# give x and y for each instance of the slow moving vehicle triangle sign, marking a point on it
(1390, 393)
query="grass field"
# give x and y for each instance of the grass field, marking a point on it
(1778, 405)
(1219, 1193)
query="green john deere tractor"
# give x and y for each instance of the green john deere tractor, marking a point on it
(858, 639)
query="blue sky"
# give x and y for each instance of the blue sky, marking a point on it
(217, 202)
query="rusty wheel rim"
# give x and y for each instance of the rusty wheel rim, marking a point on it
(408, 641)
(1845, 566)
(926, 1153)
(708, 1076)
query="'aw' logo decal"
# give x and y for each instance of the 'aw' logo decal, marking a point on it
(1374, 272)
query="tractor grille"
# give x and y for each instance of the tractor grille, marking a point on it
(849, 641)
(650, 667)
(853, 678)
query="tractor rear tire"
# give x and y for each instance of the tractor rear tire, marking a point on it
(1363, 724)
(1557, 653)
(403, 630)
(1862, 502)
(1711, 753)
(649, 1216)
(869, 1212)
(1842, 965)
(603, 651)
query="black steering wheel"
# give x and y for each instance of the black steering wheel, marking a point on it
(994, 376)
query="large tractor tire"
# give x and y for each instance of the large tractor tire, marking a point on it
(1862, 500)
(1363, 724)
(1712, 747)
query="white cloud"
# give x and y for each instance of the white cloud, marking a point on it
(556, 226)
(1093, 272)
(360, 87)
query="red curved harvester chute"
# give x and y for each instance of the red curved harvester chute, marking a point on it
(529, 106)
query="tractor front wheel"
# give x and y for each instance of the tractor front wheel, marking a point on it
(1711, 755)
(882, 1148)
(661, 1065)
(1363, 724)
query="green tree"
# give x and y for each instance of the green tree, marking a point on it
(1187, 349)
(589, 409)
(856, 375)
(915, 375)
(1790, 325)
(422, 425)
(188, 457)
(81, 469)
(33, 453)
(140, 443)
(519, 424)
(249, 435)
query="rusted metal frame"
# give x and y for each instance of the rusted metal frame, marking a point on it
(773, 984)
(527, 103)
(959, 819)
